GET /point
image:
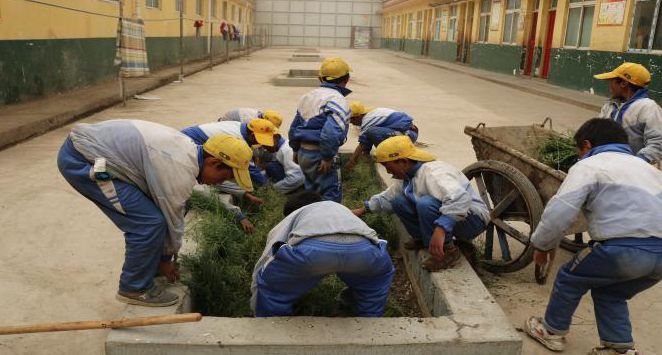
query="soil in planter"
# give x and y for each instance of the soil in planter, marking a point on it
(220, 269)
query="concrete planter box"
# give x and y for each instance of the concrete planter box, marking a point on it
(299, 57)
(298, 77)
(463, 319)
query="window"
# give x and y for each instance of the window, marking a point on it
(198, 7)
(240, 19)
(452, 24)
(232, 13)
(552, 6)
(580, 21)
(152, 3)
(180, 6)
(214, 9)
(484, 30)
(419, 25)
(646, 26)
(511, 22)
(225, 10)
(410, 26)
(437, 24)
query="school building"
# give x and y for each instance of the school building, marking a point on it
(51, 46)
(562, 41)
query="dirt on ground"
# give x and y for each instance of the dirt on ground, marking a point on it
(402, 293)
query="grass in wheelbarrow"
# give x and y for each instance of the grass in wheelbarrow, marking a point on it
(558, 152)
(221, 267)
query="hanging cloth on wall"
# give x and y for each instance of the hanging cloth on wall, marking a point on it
(131, 52)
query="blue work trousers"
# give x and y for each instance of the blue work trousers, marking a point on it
(614, 270)
(376, 135)
(257, 176)
(275, 171)
(366, 268)
(418, 219)
(130, 209)
(327, 185)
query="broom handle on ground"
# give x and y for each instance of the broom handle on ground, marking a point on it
(101, 324)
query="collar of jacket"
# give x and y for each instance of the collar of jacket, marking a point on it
(201, 162)
(340, 89)
(640, 94)
(616, 148)
(280, 143)
(244, 133)
(412, 173)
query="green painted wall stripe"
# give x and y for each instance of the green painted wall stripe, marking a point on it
(443, 50)
(573, 68)
(495, 57)
(413, 46)
(32, 68)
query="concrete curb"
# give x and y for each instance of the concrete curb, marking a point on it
(32, 129)
(465, 321)
(524, 88)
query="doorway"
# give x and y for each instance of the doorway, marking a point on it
(549, 36)
(531, 45)
(464, 43)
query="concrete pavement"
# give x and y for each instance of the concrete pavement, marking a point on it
(62, 257)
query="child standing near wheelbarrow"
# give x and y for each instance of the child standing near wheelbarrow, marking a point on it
(620, 195)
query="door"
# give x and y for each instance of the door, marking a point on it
(547, 48)
(531, 45)
(427, 32)
(466, 34)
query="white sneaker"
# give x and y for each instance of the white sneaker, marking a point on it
(611, 351)
(534, 327)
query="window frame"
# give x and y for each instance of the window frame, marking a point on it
(487, 14)
(419, 25)
(583, 4)
(180, 6)
(515, 12)
(452, 23)
(148, 6)
(651, 39)
(410, 25)
(437, 24)
(214, 9)
(198, 7)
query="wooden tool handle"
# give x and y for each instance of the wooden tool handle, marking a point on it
(101, 324)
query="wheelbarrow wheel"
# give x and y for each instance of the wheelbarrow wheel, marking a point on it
(515, 209)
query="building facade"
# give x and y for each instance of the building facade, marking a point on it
(58, 45)
(562, 41)
(327, 23)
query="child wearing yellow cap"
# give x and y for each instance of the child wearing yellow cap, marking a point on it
(376, 125)
(140, 175)
(320, 127)
(257, 132)
(245, 114)
(630, 106)
(433, 199)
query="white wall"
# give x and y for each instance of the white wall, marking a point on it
(318, 23)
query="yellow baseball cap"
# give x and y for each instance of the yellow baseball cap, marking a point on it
(334, 68)
(633, 73)
(400, 147)
(235, 153)
(263, 130)
(273, 117)
(358, 108)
